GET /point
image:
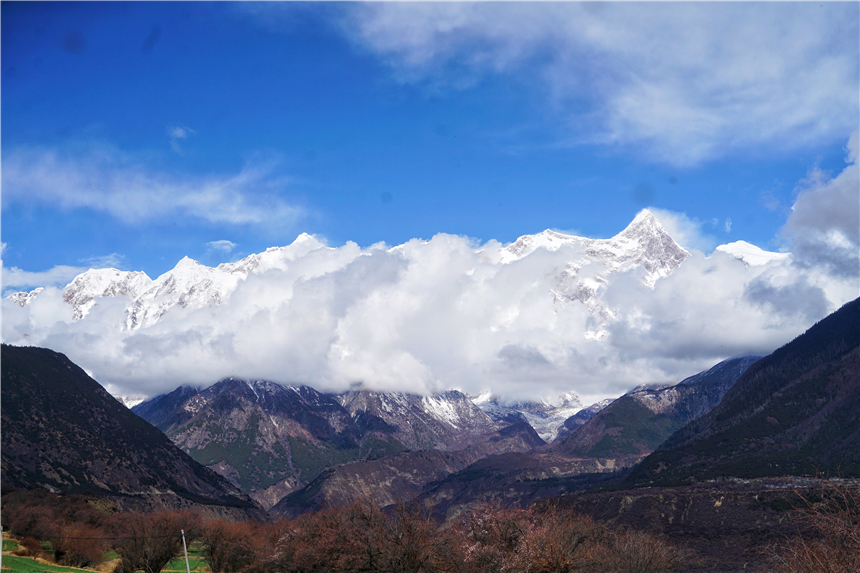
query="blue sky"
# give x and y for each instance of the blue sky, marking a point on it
(134, 134)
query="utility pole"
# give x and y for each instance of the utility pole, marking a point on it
(185, 549)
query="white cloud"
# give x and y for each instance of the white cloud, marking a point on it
(431, 315)
(823, 228)
(222, 246)
(691, 81)
(107, 180)
(58, 276)
(112, 261)
(686, 231)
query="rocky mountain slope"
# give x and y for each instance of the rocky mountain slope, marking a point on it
(63, 432)
(516, 479)
(796, 411)
(638, 422)
(401, 477)
(266, 438)
(269, 439)
(445, 421)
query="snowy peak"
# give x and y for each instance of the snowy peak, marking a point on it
(439, 421)
(576, 274)
(643, 224)
(644, 247)
(546, 416)
(24, 298)
(751, 255)
(189, 283)
(83, 290)
(644, 243)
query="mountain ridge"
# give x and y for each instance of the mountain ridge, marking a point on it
(793, 412)
(63, 432)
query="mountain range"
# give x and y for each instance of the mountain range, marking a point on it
(792, 412)
(637, 423)
(269, 439)
(643, 244)
(292, 448)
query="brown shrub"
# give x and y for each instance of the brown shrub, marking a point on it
(830, 538)
(361, 537)
(30, 521)
(149, 541)
(29, 547)
(78, 545)
(231, 547)
(630, 551)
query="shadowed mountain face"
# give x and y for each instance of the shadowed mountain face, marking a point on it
(401, 477)
(63, 432)
(796, 411)
(638, 422)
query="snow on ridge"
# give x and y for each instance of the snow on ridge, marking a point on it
(751, 255)
(579, 278)
(24, 298)
(442, 409)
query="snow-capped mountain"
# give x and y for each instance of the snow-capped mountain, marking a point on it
(24, 298)
(439, 421)
(586, 267)
(750, 254)
(547, 416)
(83, 290)
(644, 244)
(131, 401)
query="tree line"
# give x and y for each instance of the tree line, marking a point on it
(361, 537)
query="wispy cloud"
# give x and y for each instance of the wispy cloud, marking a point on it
(105, 179)
(222, 246)
(58, 276)
(176, 134)
(113, 261)
(693, 81)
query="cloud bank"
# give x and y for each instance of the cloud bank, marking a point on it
(690, 81)
(427, 316)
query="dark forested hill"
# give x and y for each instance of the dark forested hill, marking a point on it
(63, 432)
(796, 411)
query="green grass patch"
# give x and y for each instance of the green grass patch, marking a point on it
(10, 545)
(30, 565)
(195, 563)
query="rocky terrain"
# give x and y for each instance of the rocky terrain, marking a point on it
(270, 440)
(401, 477)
